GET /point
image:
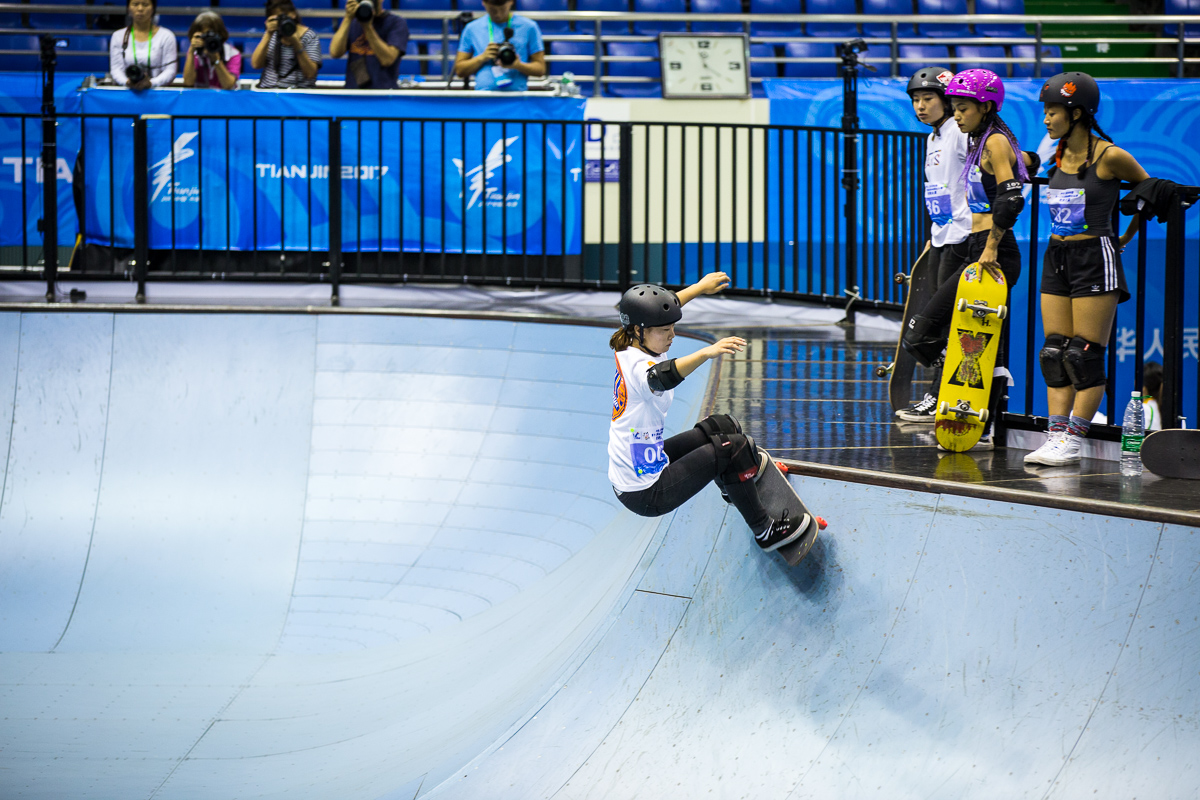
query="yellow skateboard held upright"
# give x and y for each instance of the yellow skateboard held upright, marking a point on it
(979, 312)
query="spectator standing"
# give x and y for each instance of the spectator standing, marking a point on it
(287, 61)
(146, 50)
(210, 61)
(479, 50)
(1152, 378)
(375, 45)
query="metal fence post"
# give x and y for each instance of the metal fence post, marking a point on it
(625, 191)
(141, 206)
(850, 181)
(597, 64)
(334, 205)
(1172, 342)
(49, 223)
(1180, 52)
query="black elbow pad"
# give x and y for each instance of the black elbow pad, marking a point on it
(1035, 162)
(663, 376)
(1008, 206)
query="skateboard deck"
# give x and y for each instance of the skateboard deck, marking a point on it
(979, 312)
(777, 494)
(1173, 453)
(920, 282)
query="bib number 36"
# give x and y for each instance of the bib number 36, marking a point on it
(648, 458)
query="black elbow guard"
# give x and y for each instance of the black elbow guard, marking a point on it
(663, 376)
(1035, 162)
(1008, 206)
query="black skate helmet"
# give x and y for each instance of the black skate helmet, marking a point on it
(650, 306)
(931, 79)
(1073, 90)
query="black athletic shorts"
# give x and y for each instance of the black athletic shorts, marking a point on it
(1084, 267)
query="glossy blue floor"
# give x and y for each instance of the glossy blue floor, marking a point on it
(376, 556)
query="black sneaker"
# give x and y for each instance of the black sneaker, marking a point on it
(784, 530)
(923, 411)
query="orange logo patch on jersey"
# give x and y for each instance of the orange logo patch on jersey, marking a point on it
(1068, 89)
(620, 397)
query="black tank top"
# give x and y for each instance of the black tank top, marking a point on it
(1082, 203)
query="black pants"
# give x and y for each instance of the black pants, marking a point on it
(693, 465)
(946, 262)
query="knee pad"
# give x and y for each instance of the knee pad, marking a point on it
(1084, 363)
(715, 424)
(1051, 360)
(737, 457)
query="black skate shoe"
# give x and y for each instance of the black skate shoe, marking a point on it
(784, 530)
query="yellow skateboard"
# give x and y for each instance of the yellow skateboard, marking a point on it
(970, 358)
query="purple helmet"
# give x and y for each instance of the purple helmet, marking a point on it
(979, 85)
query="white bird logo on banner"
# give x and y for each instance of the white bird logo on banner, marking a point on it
(163, 169)
(479, 176)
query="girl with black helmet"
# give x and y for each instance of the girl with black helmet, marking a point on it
(993, 174)
(1082, 277)
(945, 196)
(653, 476)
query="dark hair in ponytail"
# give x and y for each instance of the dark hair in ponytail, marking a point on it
(1091, 126)
(622, 339)
(976, 142)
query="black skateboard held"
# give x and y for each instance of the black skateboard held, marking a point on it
(777, 494)
(1173, 453)
(921, 284)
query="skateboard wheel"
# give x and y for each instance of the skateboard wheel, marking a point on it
(961, 305)
(880, 372)
(782, 467)
(983, 415)
(821, 523)
(943, 407)
(900, 277)
(1002, 312)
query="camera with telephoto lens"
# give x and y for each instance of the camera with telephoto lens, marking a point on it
(507, 54)
(287, 27)
(365, 11)
(212, 42)
(136, 73)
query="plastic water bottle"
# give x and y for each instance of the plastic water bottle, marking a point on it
(1133, 431)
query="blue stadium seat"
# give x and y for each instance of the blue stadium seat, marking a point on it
(244, 45)
(22, 63)
(652, 28)
(776, 28)
(410, 65)
(423, 25)
(885, 9)
(924, 55)
(810, 50)
(46, 21)
(549, 26)
(976, 56)
(83, 54)
(178, 24)
(324, 5)
(844, 30)
(1051, 60)
(762, 69)
(433, 69)
(717, 7)
(1184, 7)
(602, 5)
(1012, 31)
(943, 29)
(10, 20)
(630, 69)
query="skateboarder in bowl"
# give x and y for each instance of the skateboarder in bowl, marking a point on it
(651, 475)
(945, 196)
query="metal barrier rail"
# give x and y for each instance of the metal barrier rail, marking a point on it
(1177, 37)
(667, 202)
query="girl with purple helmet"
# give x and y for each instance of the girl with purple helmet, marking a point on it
(993, 174)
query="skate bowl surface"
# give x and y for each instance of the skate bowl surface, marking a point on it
(366, 556)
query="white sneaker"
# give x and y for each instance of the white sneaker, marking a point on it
(1057, 451)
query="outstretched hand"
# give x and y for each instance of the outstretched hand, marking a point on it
(712, 283)
(727, 346)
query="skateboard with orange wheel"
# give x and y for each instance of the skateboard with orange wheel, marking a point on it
(979, 314)
(777, 495)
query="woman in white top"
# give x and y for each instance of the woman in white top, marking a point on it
(144, 54)
(651, 475)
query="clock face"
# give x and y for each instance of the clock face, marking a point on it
(700, 65)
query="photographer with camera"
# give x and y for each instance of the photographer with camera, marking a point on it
(142, 54)
(289, 54)
(375, 41)
(501, 50)
(210, 61)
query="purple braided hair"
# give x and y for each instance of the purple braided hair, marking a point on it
(976, 144)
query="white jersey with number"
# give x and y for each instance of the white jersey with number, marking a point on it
(639, 415)
(945, 191)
